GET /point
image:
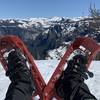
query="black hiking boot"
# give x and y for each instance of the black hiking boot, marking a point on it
(21, 86)
(70, 85)
(18, 69)
(80, 62)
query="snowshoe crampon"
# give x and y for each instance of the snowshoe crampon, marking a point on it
(45, 91)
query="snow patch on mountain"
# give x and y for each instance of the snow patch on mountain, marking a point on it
(45, 22)
(56, 53)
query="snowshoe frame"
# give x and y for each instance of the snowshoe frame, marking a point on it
(47, 92)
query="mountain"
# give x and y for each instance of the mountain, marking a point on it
(44, 36)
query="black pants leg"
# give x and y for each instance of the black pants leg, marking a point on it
(19, 91)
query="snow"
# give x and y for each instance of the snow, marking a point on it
(12, 21)
(34, 21)
(47, 67)
(94, 83)
(56, 53)
(55, 19)
(45, 22)
(79, 18)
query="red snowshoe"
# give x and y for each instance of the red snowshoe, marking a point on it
(82, 45)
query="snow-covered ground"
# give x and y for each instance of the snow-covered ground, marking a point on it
(47, 67)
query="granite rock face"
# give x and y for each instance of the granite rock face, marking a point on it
(44, 34)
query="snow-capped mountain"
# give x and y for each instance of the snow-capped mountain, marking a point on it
(44, 36)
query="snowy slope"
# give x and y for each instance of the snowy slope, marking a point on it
(47, 68)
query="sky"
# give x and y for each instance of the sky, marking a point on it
(45, 8)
